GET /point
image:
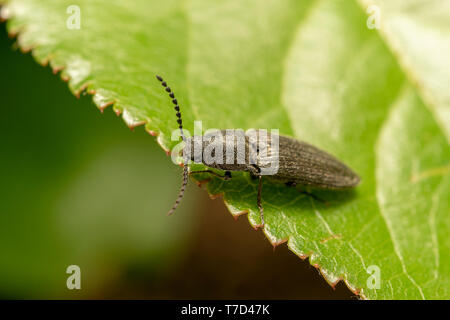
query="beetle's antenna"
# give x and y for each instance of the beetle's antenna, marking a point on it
(181, 193)
(180, 126)
(176, 107)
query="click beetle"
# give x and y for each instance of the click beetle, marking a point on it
(299, 163)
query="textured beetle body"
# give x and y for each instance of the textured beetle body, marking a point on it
(299, 163)
(202, 143)
(307, 165)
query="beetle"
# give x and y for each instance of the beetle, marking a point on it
(299, 163)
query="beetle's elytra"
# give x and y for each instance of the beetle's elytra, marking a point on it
(299, 163)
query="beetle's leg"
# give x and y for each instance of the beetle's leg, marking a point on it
(254, 171)
(291, 184)
(253, 176)
(226, 176)
(259, 201)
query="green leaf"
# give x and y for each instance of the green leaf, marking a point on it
(376, 98)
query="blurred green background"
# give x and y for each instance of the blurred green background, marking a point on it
(78, 187)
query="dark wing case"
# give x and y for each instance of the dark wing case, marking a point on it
(307, 165)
